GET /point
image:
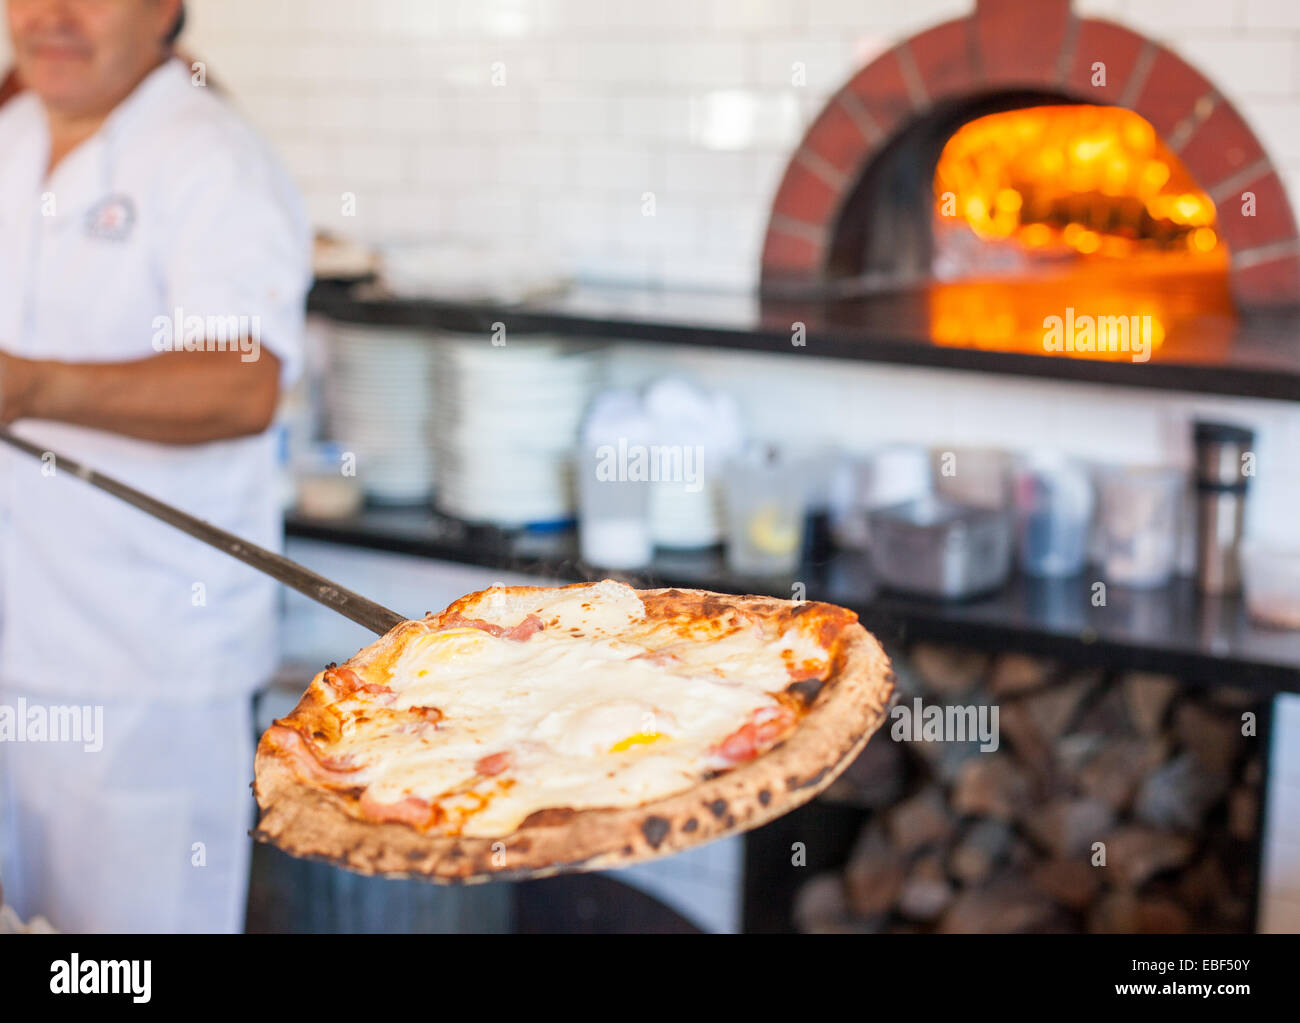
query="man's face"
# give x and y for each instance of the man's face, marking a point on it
(83, 56)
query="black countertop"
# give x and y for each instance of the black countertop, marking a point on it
(1206, 349)
(1172, 629)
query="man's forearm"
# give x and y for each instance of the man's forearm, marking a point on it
(172, 398)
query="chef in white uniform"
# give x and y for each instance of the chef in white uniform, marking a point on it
(153, 265)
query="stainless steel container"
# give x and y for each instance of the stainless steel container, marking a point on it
(938, 548)
(1221, 479)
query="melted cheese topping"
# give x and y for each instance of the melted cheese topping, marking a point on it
(597, 709)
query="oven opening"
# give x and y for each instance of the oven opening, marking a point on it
(1027, 223)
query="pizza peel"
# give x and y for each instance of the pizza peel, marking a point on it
(375, 617)
(732, 802)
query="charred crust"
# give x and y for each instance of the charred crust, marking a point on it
(655, 829)
(690, 825)
(765, 796)
(549, 817)
(806, 690)
(718, 807)
(812, 779)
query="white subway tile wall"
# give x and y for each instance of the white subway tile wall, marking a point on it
(550, 123)
(476, 119)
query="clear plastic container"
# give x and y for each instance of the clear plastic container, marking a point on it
(1137, 521)
(974, 477)
(1271, 579)
(325, 482)
(613, 512)
(766, 501)
(1054, 502)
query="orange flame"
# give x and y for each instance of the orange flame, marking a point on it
(1095, 180)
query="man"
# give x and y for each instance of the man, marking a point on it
(153, 266)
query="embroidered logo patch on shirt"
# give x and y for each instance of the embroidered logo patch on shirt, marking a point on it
(111, 218)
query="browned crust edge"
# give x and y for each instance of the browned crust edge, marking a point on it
(314, 822)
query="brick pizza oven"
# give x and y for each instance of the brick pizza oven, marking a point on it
(1082, 163)
(846, 208)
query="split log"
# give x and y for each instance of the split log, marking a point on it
(1147, 696)
(1015, 673)
(821, 907)
(1070, 883)
(983, 846)
(927, 892)
(1118, 767)
(1136, 854)
(874, 874)
(1073, 752)
(945, 759)
(1109, 715)
(1053, 708)
(1002, 907)
(992, 785)
(1015, 722)
(948, 671)
(1179, 794)
(1067, 827)
(1214, 738)
(920, 821)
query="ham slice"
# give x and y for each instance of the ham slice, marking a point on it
(334, 771)
(766, 726)
(530, 626)
(411, 810)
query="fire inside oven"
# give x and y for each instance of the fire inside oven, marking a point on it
(1009, 213)
(1050, 186)
(1047, 217)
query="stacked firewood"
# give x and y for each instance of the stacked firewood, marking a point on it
(1114, 802)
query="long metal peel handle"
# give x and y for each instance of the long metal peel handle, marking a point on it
(374, 617)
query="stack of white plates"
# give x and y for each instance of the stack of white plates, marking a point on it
(379, 404)
(505, 426)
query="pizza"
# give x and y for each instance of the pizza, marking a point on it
(525, 731)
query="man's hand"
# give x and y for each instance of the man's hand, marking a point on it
(172, 398)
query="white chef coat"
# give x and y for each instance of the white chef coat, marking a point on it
(174, 204)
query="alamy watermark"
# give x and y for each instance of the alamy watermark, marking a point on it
(24, 722)
(952, 723)
(651, 463)
(182, 332)
(77, 976)
(1073, 333)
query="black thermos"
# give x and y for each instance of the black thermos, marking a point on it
(1222, 471)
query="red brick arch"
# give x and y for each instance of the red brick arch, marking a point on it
(1010, 45)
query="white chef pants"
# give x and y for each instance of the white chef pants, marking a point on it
(148, 834)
